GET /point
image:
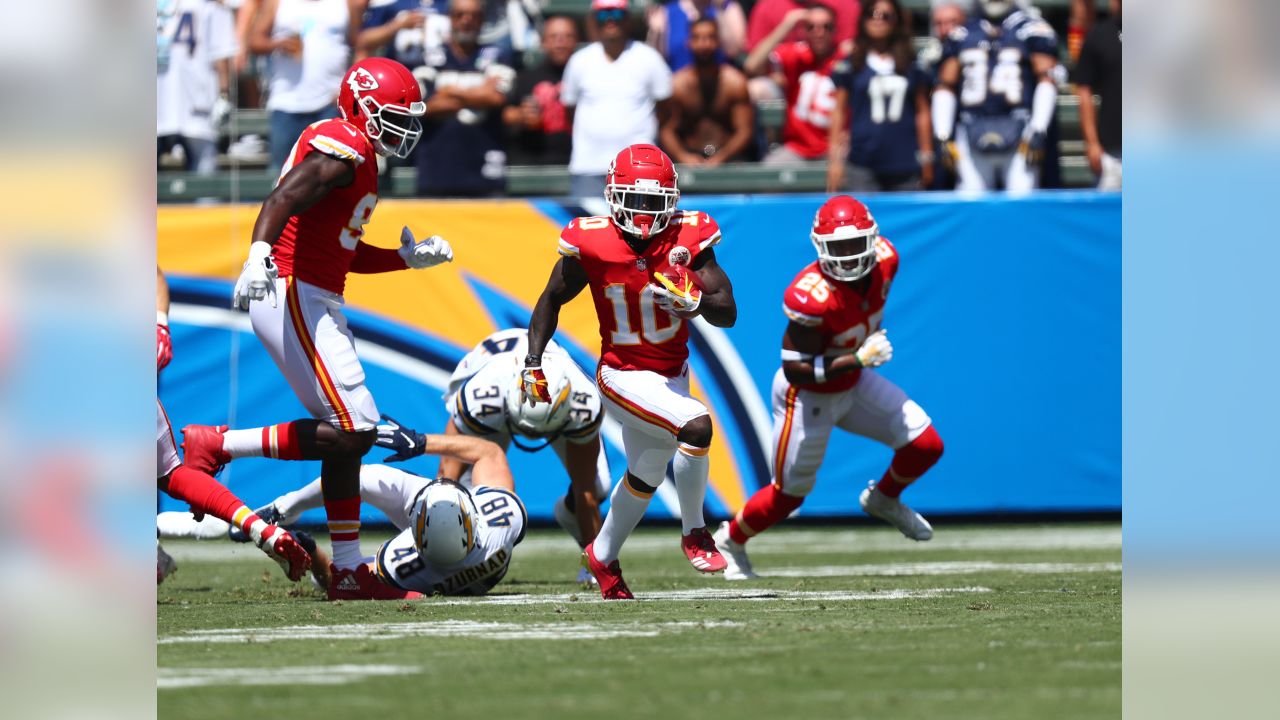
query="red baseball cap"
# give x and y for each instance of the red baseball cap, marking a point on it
(608, 4)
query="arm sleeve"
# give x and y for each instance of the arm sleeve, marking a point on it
(373, 259)
(570, 83)
(222, 33)
(569, 245)
(708, 233)
(338, 140)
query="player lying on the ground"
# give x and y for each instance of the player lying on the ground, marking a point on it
(454, 541)
(484, 400)
(643, 258)
(832, 341)
(307, 238)
(206, 495)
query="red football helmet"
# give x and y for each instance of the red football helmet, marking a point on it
(641, 190)
(382, 97)
(844, 234)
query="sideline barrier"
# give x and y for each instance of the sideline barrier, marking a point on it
(1005, 319)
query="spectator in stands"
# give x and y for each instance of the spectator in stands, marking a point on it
(1099, 74)
(1079, 23)
(945, 16)
(538, 130)
(195, 42)
(670, 24)
(403, 30)
(766, 15)
(511, 25)
(310, 45)
(711, 119)
(615, 88)
(880, 124)
(461, 152)
(803, 70)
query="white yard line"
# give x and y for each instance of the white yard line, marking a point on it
(960, 567)
(171, 678)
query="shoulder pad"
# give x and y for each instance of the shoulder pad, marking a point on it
(340, 139)
(577, 233)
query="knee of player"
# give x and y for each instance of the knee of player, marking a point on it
(928, 444)
(356, 443)
(696, 432)
(639, 486)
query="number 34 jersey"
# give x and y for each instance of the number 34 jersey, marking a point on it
(635, 334)
(844, 313)
(318, 244)
(501, 528)
(995, 62)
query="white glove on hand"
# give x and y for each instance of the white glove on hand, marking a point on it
(221, 112)
(427, 253)
(876, 351)
(257, 279)
(673, 298)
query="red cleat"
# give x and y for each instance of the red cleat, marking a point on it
(285, 550)
(360, 584)
(202, 448)
(701, 551)
(612, 586)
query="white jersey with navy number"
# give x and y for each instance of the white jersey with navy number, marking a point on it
(501, 528)
(191, 37)
(481, 381)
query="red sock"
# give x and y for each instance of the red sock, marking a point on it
(910, 462)
(281, 442)
(344, 519)
(764, 510)
(204, 494)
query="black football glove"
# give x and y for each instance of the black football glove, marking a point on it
(1032, 148)
(407, 442)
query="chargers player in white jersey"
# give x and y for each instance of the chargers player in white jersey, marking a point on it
(454, 540)
(484, 400)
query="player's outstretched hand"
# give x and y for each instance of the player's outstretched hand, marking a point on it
(257, 279)
(876, 351)
(407, 442)
(422, 254)
(533, 385)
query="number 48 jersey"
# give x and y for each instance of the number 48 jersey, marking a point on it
(501, 528)
(844, 313)
(318, 244)
(635, 334)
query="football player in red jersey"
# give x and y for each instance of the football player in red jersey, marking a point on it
(305, 241)
(651, 270)
(832, 342)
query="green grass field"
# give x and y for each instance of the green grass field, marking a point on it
(981, 622)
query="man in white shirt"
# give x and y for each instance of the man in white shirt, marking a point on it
(614, 89)
(195, 41)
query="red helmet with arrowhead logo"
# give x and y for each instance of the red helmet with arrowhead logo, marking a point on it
(845, 234)
(382, 98)
(641, 190)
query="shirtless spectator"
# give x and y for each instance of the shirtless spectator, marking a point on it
(711, 117)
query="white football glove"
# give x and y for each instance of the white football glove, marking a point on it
(876, 351)
(426, 253)
(221, 112)
(257, 279)
(673, 298)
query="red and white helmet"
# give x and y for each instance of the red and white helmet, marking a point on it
(844, 234)
(641, 190)
(382, 97)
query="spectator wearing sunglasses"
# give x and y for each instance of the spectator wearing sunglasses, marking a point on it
(766, 15)
(614, 89)
(803, 71)
(880, 123)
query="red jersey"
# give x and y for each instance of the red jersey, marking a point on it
(844, 316)
(811, 96)
(318, 245)
(635, 334)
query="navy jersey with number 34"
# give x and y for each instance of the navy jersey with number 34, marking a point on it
(996, 76)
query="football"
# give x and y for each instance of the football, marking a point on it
(678, 279)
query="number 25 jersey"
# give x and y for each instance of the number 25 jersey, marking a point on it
(635, 334)
(318, 244)
(843, 315)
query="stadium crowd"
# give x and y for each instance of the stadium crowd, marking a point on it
(861, 87)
